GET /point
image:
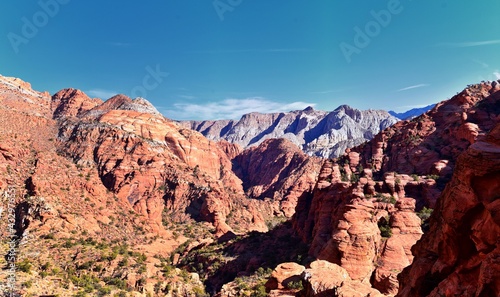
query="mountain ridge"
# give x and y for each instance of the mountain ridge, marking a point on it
(317, 133)
(414, 112)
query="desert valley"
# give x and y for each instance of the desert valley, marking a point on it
(111, 198)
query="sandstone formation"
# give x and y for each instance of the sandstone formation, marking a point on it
(277, 170)
(361, 214)
(116, 172)
(459, 255)
(150, 162)
(431, 143)
(318, 133)
(324, 279)
(284, 274)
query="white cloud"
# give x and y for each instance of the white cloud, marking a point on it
(497, 74)
(100, 93)
(412, 87)
(230, 109)
(483, 64)
(470, 44)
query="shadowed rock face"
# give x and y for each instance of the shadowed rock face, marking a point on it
(317, 133)
(459, 255)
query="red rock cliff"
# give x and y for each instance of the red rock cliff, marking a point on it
(459, 256)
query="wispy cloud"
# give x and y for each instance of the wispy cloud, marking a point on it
(230, 108)
(252, 50)
(100, 93)
(412, 87)
(497, 74)
(469, 44)
(483, 64)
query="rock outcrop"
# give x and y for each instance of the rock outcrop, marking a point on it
(277, 170)
(324, 279)
(149, 161)
(459, 256)
(362, 212)
(431, 143)
(318, 133)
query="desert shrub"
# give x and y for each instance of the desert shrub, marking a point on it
(295, 285)
(103, 291)
(49, 236)
(385, 231)
(354, 178)
(80, 294)
(123, 262)
(117, 282)
(433, 176)
(424, 214)
(199, 291)
(259, 291)
(25, 266)
(384, 227)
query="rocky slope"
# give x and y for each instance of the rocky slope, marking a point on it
(318, 133)
(279, 171)
(361, 215)
(459, 256)
(108, 175)
(431, 143)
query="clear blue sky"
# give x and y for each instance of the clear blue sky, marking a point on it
(227, 57)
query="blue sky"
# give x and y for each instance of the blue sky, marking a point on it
(219, 59)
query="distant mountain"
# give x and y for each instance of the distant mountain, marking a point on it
(318, 133)
(410, 114)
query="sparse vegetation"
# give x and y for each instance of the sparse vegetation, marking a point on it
(424, 214)
(384, 227)
(295, 285)
(385, 199)
(433, 176)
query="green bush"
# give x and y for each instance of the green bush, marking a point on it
(80, 294)
(424, 214)
(259, 291)
(433, 176)
(25, 266)
(295, 285)
(384, 227)
(103, 291)
(385, 231)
